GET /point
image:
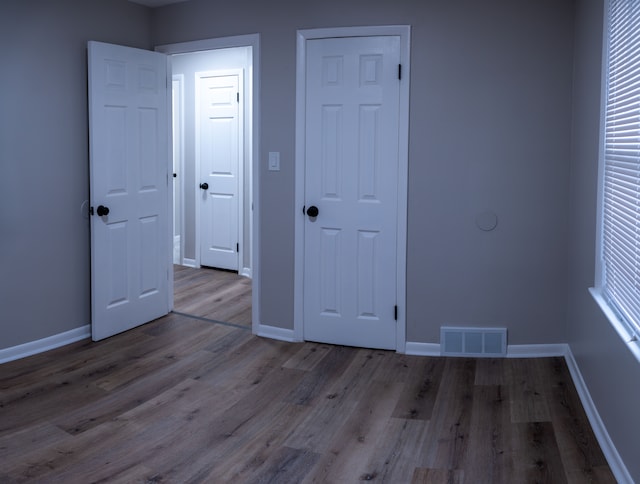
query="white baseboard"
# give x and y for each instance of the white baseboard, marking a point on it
(188, 262)
(422, 349)
(513, 351)
(245, 272)
(536, 351)
(276, 333)
(176, 249)
(45, 344)
(609, 450)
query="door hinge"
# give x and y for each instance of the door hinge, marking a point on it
(238, 97)
(237, 247)
(399, 71)
(395, 312)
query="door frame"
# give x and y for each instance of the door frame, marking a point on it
(404, 32)
(241, 142)
(178, 132)
(253, 41)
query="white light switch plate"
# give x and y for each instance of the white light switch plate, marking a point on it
(274, 161)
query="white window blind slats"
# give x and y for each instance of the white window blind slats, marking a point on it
(623, 46)
(620, 207)
(623, 111)
(621, 160)
(622, 14)
(619, 273)
(621, 168)
(622, 282)
(627, 96)
(623, 64)
(624, 147)
(621, 191)
(624, 134)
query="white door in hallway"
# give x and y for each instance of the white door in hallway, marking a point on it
(351, 182)
(219, 152)
(129, 180)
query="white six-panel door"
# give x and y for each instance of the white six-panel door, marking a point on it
(129, 177)
(219, 150)
(351, 177)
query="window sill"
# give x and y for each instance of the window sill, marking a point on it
(626, 334)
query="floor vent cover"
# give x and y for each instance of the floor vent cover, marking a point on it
(489, 342)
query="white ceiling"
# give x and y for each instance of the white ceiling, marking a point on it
(156, 3)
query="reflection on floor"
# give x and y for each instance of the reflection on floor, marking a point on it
(212, 294)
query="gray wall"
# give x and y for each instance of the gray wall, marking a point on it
(44, 241)
(607, 366)
(490, 129)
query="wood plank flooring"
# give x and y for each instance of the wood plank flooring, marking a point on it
(185, 400)
(212, 294)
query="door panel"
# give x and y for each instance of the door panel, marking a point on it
(128, 129)
(218, 146)
(351, 175)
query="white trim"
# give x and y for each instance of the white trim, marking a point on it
(170, 190)
(422, 349)
(179, 78)
(513, 351)
(536, 351)
(404, 32)
(609, 450)
(45, 344)
(298, 261)
(245, 272)
(601, 144)
(177, 259)
(253, 41)
(274, 332)
(626, 333)
(189, 262)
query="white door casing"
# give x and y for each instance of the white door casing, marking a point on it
(177, 126)
(219, 153)
(129, 175)
(351, 176)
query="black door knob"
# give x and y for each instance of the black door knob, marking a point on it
(313, 211)
(204, 186)
(102, 210)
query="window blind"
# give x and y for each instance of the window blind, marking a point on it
(621, 191)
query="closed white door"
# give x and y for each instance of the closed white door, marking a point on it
(351, 182)
(219, 152)
(129, 178)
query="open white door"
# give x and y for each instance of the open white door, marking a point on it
(129, 177)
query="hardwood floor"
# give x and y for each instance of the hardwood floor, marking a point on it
(212, 294)
(185, 400)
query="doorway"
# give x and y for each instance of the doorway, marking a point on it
(194, 64)
(212, 127)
